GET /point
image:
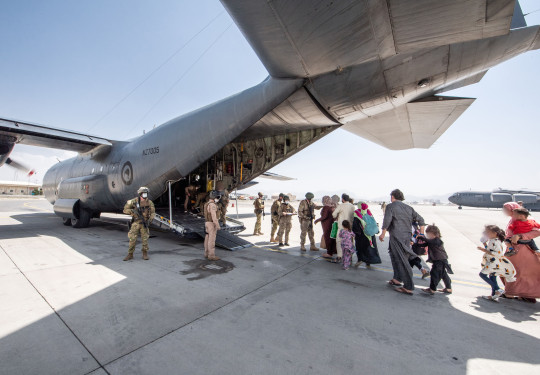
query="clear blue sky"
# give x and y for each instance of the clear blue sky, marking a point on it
(67, 63)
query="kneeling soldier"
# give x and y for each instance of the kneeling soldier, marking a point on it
(142, 212)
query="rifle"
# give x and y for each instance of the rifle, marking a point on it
(140, 215)
(311, 214)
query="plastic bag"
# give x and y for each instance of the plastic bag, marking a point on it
(334, 232)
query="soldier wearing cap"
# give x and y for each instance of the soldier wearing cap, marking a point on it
(275, 216)
(259, 212)
(285, 213)
(211, 225)
(306, 215)
(142, 212)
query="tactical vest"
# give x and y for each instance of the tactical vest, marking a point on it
(144, 206)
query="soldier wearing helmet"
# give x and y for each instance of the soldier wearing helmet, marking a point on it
(285, 213)
(142, 213)
(306, 215)
(259, 212)
(275, 216)
(211, 225)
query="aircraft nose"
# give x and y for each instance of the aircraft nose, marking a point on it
(452, 198)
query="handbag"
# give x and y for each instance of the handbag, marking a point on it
(323, 243)
(333, 234)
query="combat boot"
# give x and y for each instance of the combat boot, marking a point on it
(128, 257)
(314, 248)
(145, 255)
(272, 240)
(302, 248)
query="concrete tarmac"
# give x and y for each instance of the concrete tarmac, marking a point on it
(70, 305)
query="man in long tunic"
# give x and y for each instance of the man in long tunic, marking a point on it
(211, 226)
(259, 212)
(142, 212)
(398, 219)
(285, 212)
(345, 211)
(275, 216)
(306, 215)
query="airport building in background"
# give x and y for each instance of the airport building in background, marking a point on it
(18, 188)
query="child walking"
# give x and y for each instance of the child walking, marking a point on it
(346, 236)
(494, 263)
(438, 257)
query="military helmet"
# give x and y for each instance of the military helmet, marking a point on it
(143, 189)
(286, 198)
(213, 194)
(260, 194)
(281, 195)
(310, 196)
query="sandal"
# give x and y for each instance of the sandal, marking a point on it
(404, 291)
(446, 291)
(428, 291)
(393, 283)
(326, 255)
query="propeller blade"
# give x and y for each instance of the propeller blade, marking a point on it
(12, 163)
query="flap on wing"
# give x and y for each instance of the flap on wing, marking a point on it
(306, 38)
(44, 136)
(298, 112)
(415, 125)
(274, 176)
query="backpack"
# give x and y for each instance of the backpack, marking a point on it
(371, 228)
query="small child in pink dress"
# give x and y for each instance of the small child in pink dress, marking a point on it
(346, 236)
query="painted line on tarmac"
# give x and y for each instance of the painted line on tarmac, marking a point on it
(27, 204)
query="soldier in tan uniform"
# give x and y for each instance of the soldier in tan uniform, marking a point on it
(202, 197)
(223, 203)
(306, 215)
(275, 217)
(211, 226)
(259, 212)
(191, 196)
(285, 212)
(142, 212)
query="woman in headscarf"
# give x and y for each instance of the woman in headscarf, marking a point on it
(326, 221)
(366, 245)
(525, 261)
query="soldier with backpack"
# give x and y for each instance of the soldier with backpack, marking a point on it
(365, 228)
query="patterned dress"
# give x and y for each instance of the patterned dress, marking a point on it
(347, 245)
(495, 263)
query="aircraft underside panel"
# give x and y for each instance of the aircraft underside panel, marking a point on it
(238, 163)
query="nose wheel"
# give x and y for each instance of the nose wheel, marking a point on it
(459, 208)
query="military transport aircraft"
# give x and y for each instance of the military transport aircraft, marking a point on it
(374, 68)
(496, 199)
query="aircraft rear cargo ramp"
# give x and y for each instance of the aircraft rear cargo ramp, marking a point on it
(190, 225)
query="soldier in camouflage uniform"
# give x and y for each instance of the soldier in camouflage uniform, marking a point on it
(142, 212)
(223, 202)
(275, 217)
(285, 213)
(306, 214)
(259, 212)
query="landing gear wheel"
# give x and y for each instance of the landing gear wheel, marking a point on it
(460, 208)
(83, 220)
(67, 221)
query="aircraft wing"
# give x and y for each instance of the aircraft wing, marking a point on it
(44, 136)
(306, 38)
(415, 125)
(274, 176)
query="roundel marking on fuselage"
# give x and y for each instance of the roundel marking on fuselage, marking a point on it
(127, 173)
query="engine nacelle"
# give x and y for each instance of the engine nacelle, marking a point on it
(501, 197)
